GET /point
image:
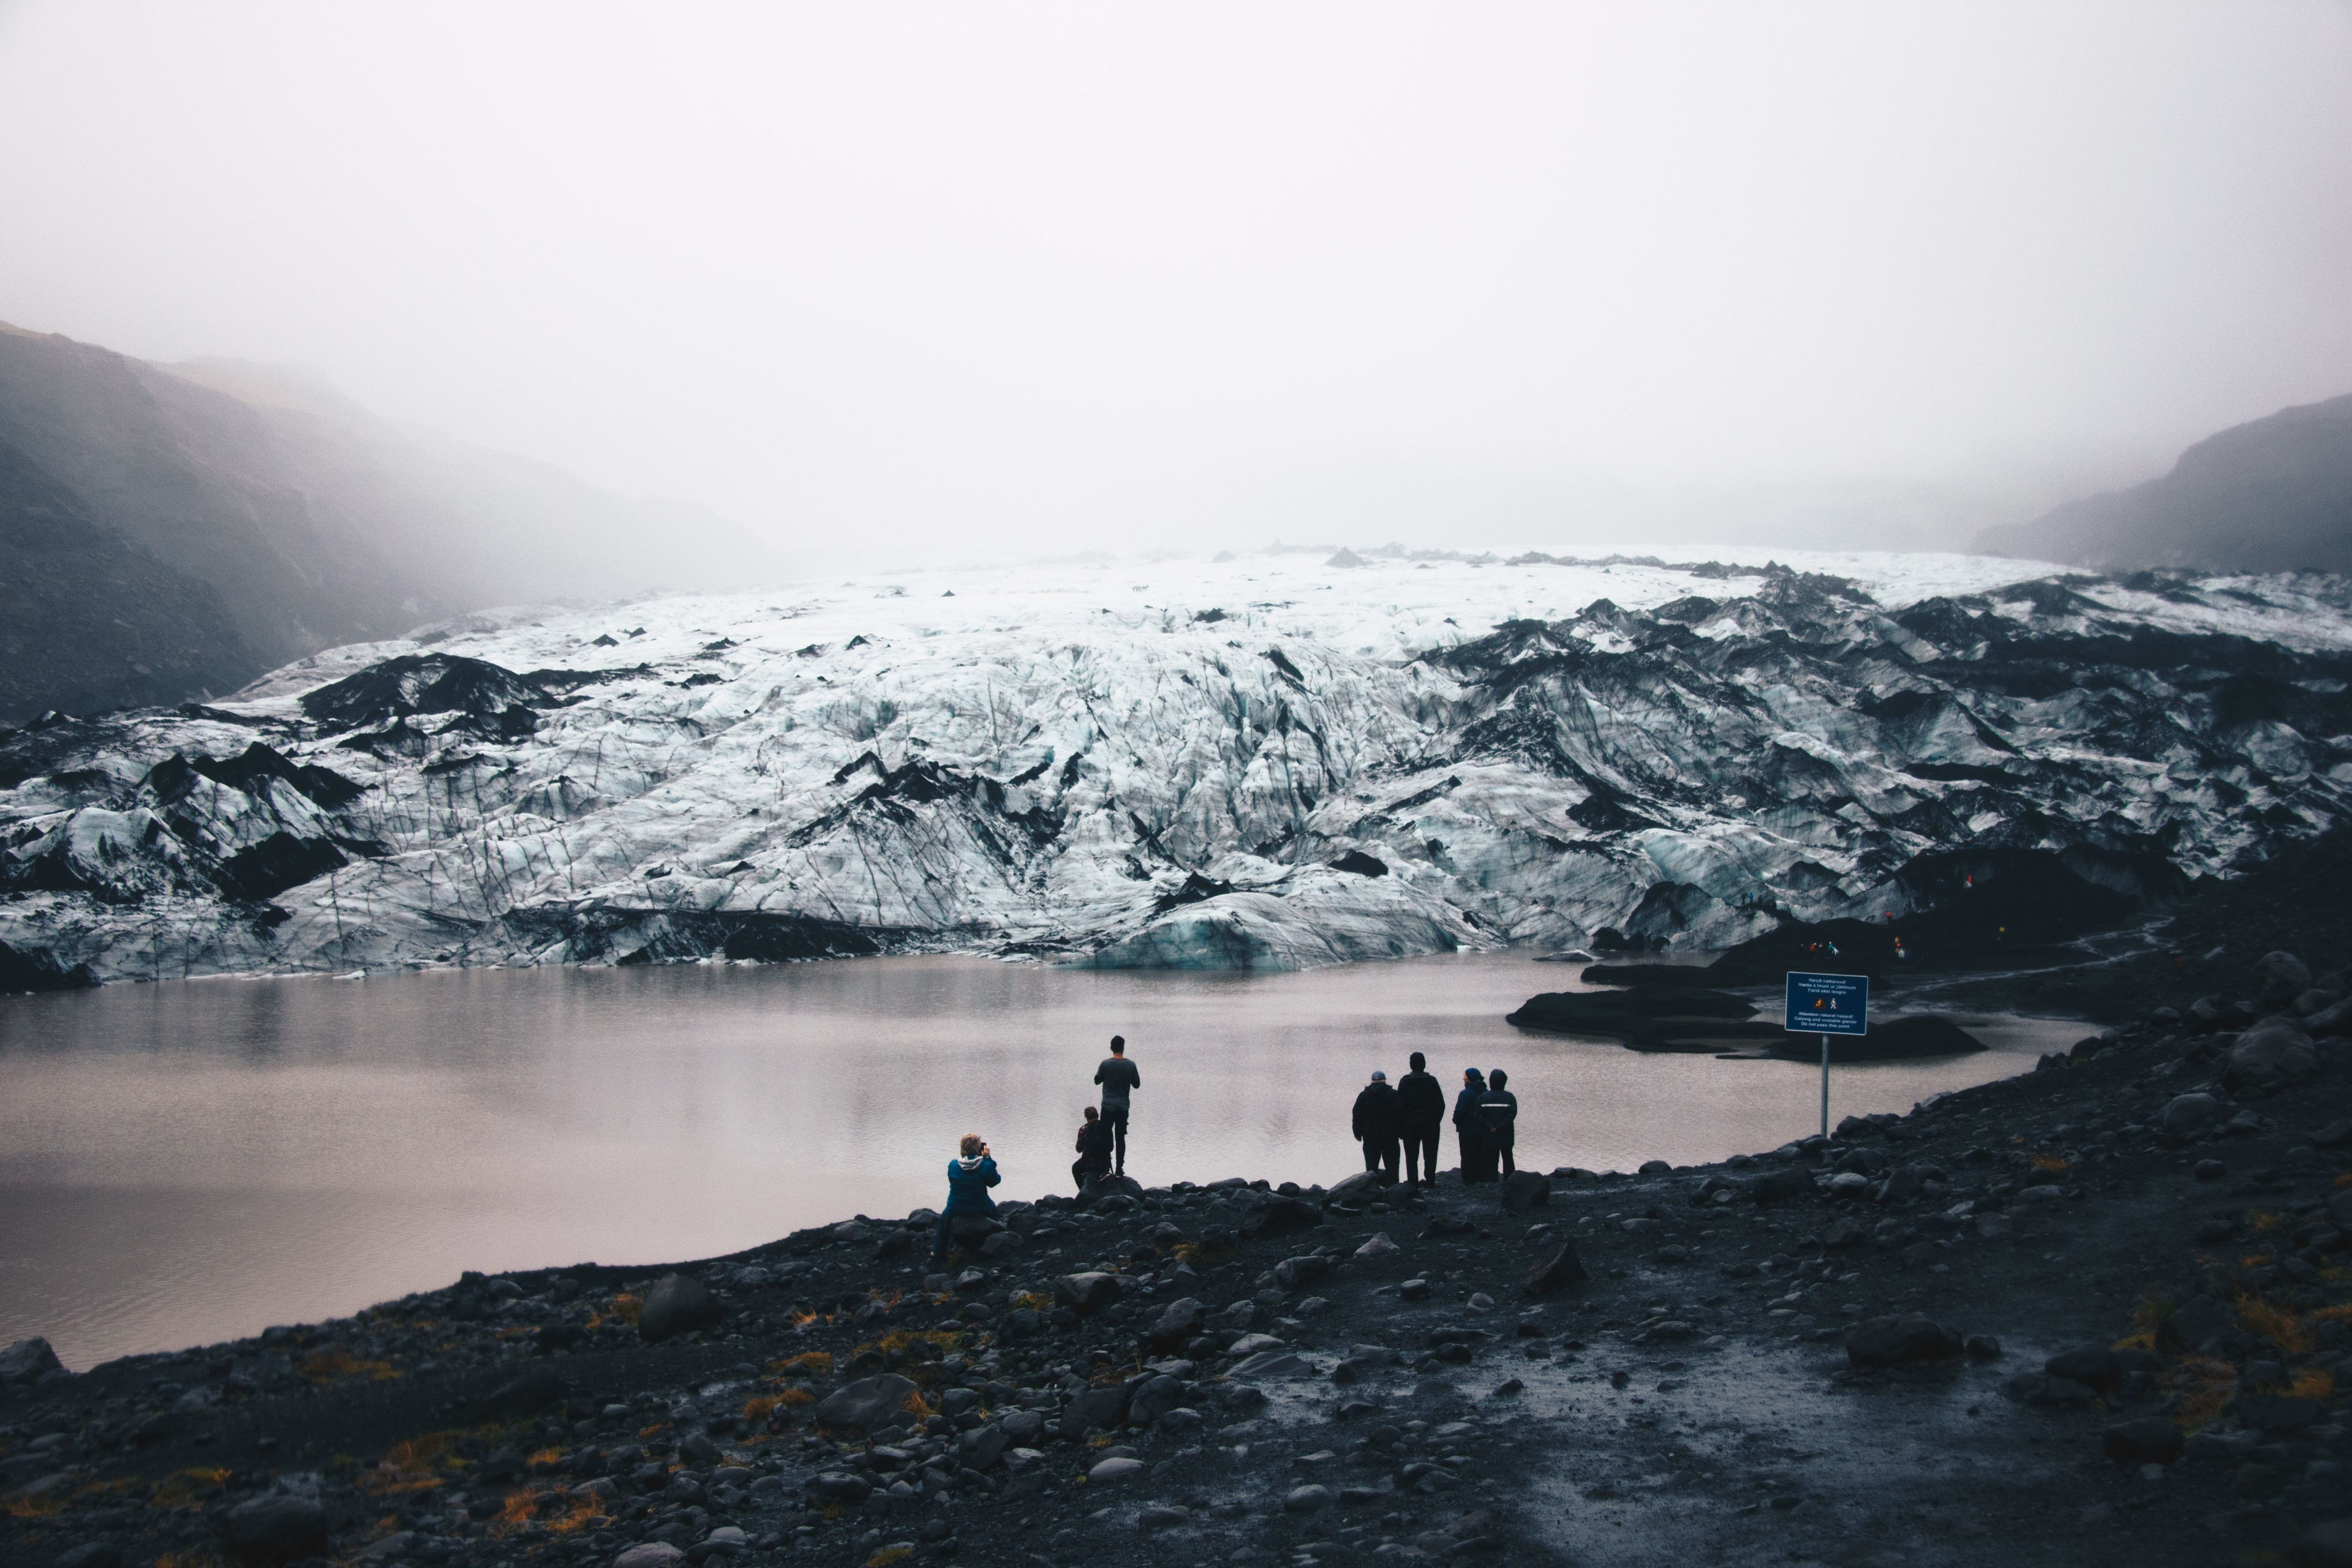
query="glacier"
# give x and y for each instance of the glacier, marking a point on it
(1276, 762)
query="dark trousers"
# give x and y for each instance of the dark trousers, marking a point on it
(1510, 1167)
(939, 1248)
(1477, 1156)
(1420, 1153)
(1381, 1154)
(1085, 1171)
(1115, 1118)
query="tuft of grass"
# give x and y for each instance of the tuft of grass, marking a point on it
(188, 1488)
(2313, 1383)
(2048, 1164)
(761, 1407)
(808, 1363)
(1204, 1254)
(2265, 1219)
(626, 1307)
(35, 1507)
(2204, 1386)
(335, 1363)
(795, 1397)
(546, 1459)
(896, 1553)
(918, 1407)
(2276, 1325)
(656, 1426)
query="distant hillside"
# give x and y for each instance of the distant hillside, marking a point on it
(2271, 496)
(175, 530)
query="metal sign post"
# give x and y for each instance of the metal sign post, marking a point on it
(1828, 1005)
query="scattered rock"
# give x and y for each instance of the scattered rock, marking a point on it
(1357, 1188)
(1780, 1186)
(2188, 1112)
(676, 1305)
(1525, 1190)
(1897, 1340)
(533, 1390)
(661, 1553)
(2272, 1053)
(1110, 1472)
(2096, 1366)
(1556, 1267)
(29, 1360)
(1379, 1248)
(268, 1531)
(1310, 1498)
(862, 1405)
(1087, 1292)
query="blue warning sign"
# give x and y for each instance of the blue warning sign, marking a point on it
(1829, 1003)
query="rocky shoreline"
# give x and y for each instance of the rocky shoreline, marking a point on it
(2096, 1312)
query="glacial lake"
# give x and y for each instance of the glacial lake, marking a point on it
(187, 1161)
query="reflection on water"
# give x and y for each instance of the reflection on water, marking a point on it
(187, 1161)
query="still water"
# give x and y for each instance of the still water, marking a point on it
(192, 1160)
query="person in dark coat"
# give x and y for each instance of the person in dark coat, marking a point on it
(1118, 1077)
(1421, 1111)
(968, 1178)
(1094, 1150)
(1376, 1125)
(1470, 1130)
(1499, 1114)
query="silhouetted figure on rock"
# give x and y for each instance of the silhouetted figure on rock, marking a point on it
(1421, 1112)
(1376, 1125)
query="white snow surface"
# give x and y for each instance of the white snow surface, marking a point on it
(1158, 764)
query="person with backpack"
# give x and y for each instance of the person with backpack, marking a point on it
(1118, 1079)
(1498, 1118)
(1421, 1112)
(1470, 1130)
(1376, 1125)
(970, 1176)
(1094, 1150)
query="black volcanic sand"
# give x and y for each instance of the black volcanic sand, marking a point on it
(1734, 1380)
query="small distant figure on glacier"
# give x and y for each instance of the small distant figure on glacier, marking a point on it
(1376, 1125)
(1498, 1119)
(1470, 1130)
(1094, 1150)
(1421, 1112)
(970, 1176)
(1118, 1079)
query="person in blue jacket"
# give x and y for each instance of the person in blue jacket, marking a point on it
(969, 1179)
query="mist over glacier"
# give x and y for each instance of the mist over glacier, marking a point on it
(1272, 763)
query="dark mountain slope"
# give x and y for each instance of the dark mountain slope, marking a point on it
(90, 620)
(309, 521)
(2271, 496)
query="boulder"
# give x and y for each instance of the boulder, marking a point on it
(653, 1554)
(29, 1360)
(2272, 1052)
(1178, 1321)
(2333, 1019)
(1087, 1292)
(982, 1447)
(93, 1554)
(2094, 1366)
(1525, 1190)
(676, 1305)
(2278, 1412)
(1897, 1340)
(1023, 1428)
(1154, 1399)
(2281, 975)
(1556, 1267)
(1355, 1189)
(2327, 1544)
(2148, 1440)
(1112, 1471)
(2188, 1112)
(267, 1531)
(845, 1487)
(1095, 1407)
(1279, 1217)
(1294, 1272)
(868, 1403)
(1780, 1186)
(534, 1389)
(1379, 1249)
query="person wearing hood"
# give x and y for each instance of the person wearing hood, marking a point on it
(1498, 1115)
(1376, 1125)
(1421, 1111)
(968, 1178)
(1469, 1129)
(1093, 1163)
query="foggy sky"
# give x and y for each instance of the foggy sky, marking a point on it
(964, 277)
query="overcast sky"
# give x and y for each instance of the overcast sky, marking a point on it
(1052, 277)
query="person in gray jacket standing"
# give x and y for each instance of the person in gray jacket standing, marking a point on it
(1118, 1079)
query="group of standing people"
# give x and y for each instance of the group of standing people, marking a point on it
(1404, 1119)
(1407, 1117)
